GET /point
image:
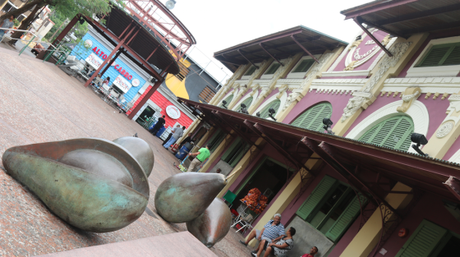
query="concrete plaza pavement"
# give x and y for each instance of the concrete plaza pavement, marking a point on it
(40, 103)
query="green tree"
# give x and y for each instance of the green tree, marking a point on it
(60, 21)
(67, 8)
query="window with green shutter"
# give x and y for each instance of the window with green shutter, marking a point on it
(275, 104)
(273, 68)
(250, 71)
(441, 55)
(424, 241)
(320, 191)
(235, 152)
(394, 133)
(247, 102)
(216, 139)
(228, 100)
(331, 208)
(312, 118)
(304, 65)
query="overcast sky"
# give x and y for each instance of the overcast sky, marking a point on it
(219, 24)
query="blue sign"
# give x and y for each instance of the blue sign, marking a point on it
(94, 53)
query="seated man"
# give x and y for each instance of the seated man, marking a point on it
(313, 251)
(272, 231)
(281, 247)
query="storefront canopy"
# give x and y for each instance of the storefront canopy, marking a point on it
(348, 157)
(144, 49)
(279, 45)
(404, 18)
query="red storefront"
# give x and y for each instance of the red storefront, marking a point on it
(167, 105)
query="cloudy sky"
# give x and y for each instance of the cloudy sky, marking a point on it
(219, 24)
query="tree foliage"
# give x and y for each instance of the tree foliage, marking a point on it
(65, 8)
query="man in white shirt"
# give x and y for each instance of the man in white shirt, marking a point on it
(177, 133)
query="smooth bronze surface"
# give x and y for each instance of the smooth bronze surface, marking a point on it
(87, 199)
(213, 225)
(140, 149)
(183, 197)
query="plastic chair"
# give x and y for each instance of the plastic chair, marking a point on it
(246, 220)
(229, 197)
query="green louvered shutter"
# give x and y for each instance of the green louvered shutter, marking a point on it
(304, 65)
(315, 197)
(312, 118)
(237, 157)
(213, 137)
(346, 218)
(275, 104)
(230, 149)
(440, 55)
(228, 100)
(423, 241)
(247, 102)
(454, 57)
(393, 133)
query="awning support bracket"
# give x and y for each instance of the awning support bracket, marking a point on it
(303, 48)
(260, 131)
(236, 130)
(324, 151)
(239, 51)
(265, 49)
(358, 21)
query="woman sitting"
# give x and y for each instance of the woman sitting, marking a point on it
(282, 247)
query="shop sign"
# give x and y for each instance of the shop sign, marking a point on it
(94, 61)
(117, 67)
(173, 112)
(122, 83)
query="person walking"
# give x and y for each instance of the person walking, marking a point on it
(201, 156)
(158, 125)
(177, 133)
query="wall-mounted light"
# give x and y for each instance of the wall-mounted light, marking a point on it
(170, 4)
(224, 103)
(243, 109)
(327, 126)
(418, 139)
(271, 112)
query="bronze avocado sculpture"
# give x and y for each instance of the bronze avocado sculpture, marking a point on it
(185, 196)
(93, 184)
(211, 226)
(140, 150)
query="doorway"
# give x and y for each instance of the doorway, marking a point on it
(269, 177)
(147, 113)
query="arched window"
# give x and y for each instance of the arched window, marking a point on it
(312, 118)
(247, 102)
(228, 100)
(394, 133)
(275, 104)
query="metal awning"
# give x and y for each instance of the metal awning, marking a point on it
(144, 48)
(404, 18)
(355, 161)
(278, 46)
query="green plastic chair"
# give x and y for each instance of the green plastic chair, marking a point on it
(229, 197)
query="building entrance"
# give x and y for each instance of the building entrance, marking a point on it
(147, 113)
(269, 177)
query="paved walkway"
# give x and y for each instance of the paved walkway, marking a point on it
(39, 103)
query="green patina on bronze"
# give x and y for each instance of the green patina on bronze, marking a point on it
(184, 197)
(213, 225)
(140, 150)
(81, 193)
